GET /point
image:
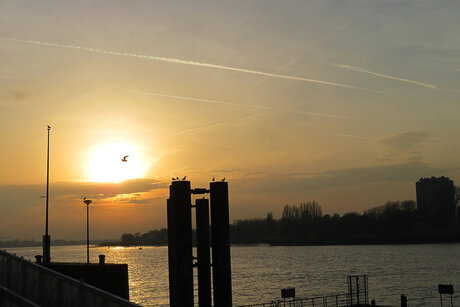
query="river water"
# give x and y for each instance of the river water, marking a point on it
(259, 272)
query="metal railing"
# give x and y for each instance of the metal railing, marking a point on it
(10, 299)
(336, 300)
(23, 279)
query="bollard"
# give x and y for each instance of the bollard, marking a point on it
(101, 259)
(373, 303)
(38, 258)
(403, 300)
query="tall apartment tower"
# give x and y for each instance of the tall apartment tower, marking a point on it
(436, 201)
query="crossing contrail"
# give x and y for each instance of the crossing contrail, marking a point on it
(240, 104)
(187, 62)
(362, 70)
(192, 130)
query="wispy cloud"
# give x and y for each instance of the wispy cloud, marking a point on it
(187, 62)
(239, 104)
(16, 196)
(362, 70)
(405, 141)
(402, 172)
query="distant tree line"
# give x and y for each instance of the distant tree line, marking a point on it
(394, 222)
(305, 224)
(153, 237)
(28, 243)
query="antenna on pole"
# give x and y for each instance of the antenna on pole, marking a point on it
(46, 237)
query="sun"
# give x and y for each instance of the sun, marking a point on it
(108, 163)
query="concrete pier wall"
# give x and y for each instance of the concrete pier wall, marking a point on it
(45, 287)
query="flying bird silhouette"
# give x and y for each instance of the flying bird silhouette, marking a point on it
(124, 159)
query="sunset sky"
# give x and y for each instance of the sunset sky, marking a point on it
(344, 102)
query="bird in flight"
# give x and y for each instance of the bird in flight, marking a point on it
(124, 158)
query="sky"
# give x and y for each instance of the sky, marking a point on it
(347, 103)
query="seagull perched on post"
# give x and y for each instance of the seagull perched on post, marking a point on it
(124, 158)
(213, 179)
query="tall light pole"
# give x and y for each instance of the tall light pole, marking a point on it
(46, 237)
(87, 202)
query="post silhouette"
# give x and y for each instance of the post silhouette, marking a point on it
(220, 229)
(180, 245)
(203, 253)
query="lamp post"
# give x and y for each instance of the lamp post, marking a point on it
(46, 237)
(87, 202)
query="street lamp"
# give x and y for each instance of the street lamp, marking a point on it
(46, 237)
(87, 202)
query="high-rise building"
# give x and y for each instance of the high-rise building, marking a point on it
(436, 201)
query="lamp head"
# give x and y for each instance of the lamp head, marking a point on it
(87, 201)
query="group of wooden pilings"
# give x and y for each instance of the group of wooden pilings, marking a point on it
(180, 253)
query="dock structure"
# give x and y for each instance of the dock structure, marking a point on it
(24, 283)
(180, 254)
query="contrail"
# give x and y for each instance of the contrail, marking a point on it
(356, 136)
(362, 70)
(239, 104)
(187, 62)
(191, 130)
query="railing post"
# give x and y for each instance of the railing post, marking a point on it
(8, 273)
(41, 288)
(24, 279)
(357, 290)
(60, 297)
(81, 294)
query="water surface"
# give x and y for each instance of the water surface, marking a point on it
(259, 272)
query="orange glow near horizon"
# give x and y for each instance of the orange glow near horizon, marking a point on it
(106, 163)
